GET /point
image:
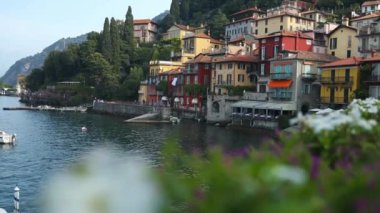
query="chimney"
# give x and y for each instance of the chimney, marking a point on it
(345, 21)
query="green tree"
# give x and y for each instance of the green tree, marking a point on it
(106, 41)
(129, 88)
(115, 44)
(175, 10)
(217, 23)
(184, 9)
(128, 28)
(35, 80)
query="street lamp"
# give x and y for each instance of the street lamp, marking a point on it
(176, 102)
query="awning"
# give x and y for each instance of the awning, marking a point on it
(290, 106)
(280, 84)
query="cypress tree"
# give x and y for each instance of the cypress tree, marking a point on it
(115, 44)
(184, 12)
(106, 41)
(174, 10)
(128, 28)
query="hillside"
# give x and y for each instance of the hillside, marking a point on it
(27, 64)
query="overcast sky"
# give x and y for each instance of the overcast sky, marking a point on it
(28, 26)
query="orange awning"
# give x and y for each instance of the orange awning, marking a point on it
(280, 84)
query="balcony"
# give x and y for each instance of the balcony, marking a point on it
(373, 79)
(308, 75)
(337, 80)
(223, 83)
(336, 100)
(368, 30)
(320, 43)
(279, 76)
(281, 95)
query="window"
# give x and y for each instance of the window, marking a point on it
(281, 27)
(266, 21)
(262, 69)
(220, 66)
(207, 66)
(215, 107)
(276, 38)
(262, 88)
(333, 43)
(282, 19)
(229, 79)
(262, 53)
(308, 42)
(230, 66)
(307, 69)
(220, 79)
(240, 78)
(196, 79)
(275, 50)
(241, 66)
(349, 41)
(257, 23)
(266, 30)
(188, 79)
(333, 53)
(306, 88)
(256, 31)
(263, 41)
(348, 53)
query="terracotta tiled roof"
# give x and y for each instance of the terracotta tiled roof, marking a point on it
(285, 34)
(354, 61)
(214, 41)
(237, 58)
(371, 59)
(143, 21)
(240, 38)
(183, 27)
(316, 56)
(253, 9)
(200, 35)
(340, 27)
(369, 16)
(370, 3)
(201, 58)
(174, 71)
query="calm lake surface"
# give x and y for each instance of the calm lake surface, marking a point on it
(49, 142)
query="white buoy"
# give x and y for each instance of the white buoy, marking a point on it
(16, 199)
(2, 210)
(84, 129)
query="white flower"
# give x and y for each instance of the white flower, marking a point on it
(103, 183)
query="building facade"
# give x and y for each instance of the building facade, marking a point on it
(145, 30)
(342, 42)
(339, 80)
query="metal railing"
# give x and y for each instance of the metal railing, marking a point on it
(308, 75)
(281, 95)
(374, 78)
(281, 76)
(337, 80)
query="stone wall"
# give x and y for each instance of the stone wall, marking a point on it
(129, 109)
(219, 108)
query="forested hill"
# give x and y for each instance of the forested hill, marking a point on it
(27, 64)
(194, 12)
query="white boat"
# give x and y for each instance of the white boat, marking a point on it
(6, 138)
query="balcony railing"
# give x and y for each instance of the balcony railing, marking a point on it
(309, 75)
(281, 95)
(278, 76)
(337, 80)
(373, 79)
(335, 100)
(321, 43)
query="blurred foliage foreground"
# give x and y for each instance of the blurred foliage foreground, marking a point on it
(331, 165)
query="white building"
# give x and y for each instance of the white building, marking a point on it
(370, 6)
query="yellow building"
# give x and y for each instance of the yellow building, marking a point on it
(143, 92)
(342, 42)
(339, 80)
(178, 31)
(282, 21)
(197, 44)
(158, 67)
(233, 71)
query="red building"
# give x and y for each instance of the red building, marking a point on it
(271, 45)
(196, 81)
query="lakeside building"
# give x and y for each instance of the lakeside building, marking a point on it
(373, 80)
(343, 42)
(20, 85)
(143, 92)
(370, 6)
(294, 82)
(145, 30)
(242, 23)
(319, 17)
(364, 20)
(339, 80)
(271, 45)
(197, 81)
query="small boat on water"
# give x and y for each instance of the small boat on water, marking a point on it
(6, 138)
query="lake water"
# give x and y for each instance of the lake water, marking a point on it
(48, 142)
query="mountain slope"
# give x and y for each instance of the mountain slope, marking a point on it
(27, 64)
